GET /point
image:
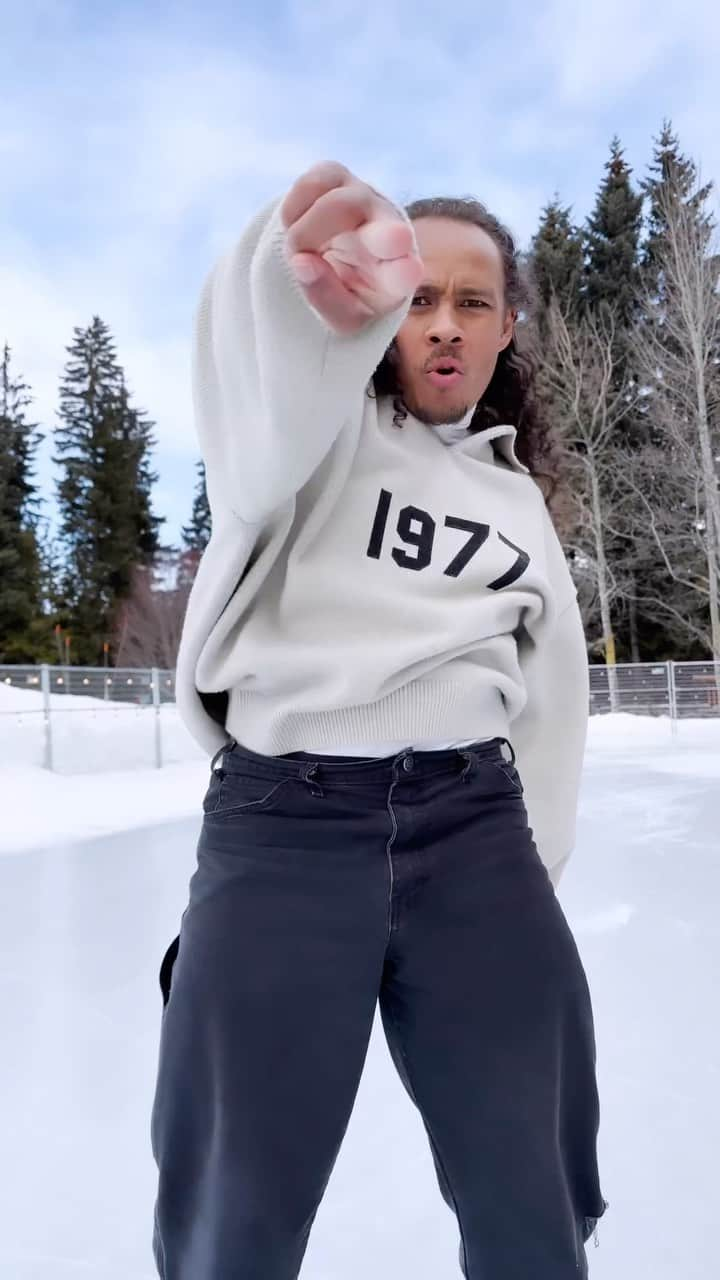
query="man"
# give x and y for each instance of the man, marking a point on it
(382, 621)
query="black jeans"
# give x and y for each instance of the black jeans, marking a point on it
(322, 886)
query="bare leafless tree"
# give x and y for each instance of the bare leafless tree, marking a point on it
(663, 513)
(594, 396)
(677, 351)
(150, 621)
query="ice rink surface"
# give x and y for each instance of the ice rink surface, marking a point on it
(84, 924)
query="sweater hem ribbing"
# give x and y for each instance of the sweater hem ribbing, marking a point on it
(419, 712)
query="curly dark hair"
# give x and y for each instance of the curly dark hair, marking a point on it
(511, 395)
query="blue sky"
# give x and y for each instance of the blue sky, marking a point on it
(137, 138)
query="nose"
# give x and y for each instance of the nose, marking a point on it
(444, 326)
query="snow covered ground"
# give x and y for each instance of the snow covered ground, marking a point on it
(85, 918)
(106, 779)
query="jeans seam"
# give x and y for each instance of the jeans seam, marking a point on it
(388, 854)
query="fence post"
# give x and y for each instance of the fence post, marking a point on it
(158, 726)
(47, 716)
(672, 697)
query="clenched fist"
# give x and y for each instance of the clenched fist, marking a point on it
(350, 248)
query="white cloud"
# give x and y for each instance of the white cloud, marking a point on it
(130, 169)
(595, 52)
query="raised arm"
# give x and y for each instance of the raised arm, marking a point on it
(291, 325)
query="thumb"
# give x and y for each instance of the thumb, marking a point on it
(308, 267)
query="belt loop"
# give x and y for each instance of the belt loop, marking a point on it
(218, 756)
(512, 752)
(308, 772)
(470, 766)
(399, 762)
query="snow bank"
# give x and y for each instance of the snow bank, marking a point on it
(106, 779)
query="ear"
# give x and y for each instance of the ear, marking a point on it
(506, 336)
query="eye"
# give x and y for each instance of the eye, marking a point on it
(477, 303)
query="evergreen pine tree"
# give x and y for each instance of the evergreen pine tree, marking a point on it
(104, 494)
(669, 172)
(129, 448)
(610, 294)
(555, 264)
(20, 589)
(612, 240)
(556, 261)
(196, 534)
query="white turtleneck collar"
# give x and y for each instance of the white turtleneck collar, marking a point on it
(483, 444)
(451, 432)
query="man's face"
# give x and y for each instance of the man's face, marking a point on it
(458, 312)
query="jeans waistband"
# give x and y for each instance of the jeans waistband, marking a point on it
(357, 770)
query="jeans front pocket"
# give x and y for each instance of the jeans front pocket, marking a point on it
(232, 794)
(508, 771)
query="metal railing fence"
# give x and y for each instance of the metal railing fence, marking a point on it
(49, 696)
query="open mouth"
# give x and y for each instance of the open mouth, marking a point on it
(445, 377)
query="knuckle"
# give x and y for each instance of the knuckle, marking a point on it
(335, 210)
(311, 186)
(330, 171)
(363, 196)
(351, 203)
